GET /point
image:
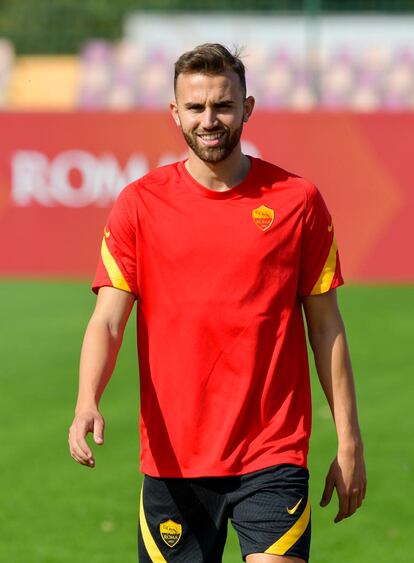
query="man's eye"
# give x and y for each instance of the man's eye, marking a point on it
(224, 109)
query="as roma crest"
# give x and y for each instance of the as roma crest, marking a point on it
(263, 217)
(171, 532)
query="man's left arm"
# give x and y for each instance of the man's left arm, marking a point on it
(327, 338)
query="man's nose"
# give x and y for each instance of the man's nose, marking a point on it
(209, 118)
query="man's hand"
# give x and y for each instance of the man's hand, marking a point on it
(347, 476)
(83, 423)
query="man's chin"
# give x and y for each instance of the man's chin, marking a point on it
(212, 154)
(213, 157)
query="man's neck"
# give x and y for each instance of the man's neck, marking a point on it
(219, 176)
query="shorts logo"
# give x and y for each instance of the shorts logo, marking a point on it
(294, 509)
(171, 532)
(263, 217)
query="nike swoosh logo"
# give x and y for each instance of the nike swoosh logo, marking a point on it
(107, 233)
(294, 509)
(330, 227)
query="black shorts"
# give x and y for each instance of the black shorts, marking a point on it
(185, 520)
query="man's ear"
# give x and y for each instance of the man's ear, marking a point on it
(248, 108)
(174, 113)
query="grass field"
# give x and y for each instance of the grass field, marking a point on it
(55, 511)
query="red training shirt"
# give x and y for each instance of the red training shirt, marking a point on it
(218, 278)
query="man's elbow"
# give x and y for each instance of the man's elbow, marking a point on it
(323, 333)
(107, 327)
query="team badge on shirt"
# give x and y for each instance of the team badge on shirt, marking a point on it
(263, 217)
(171, 532)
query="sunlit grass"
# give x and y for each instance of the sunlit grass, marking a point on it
(55, 511)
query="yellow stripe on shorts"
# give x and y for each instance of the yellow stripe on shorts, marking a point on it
(150, 545)
(285, 542)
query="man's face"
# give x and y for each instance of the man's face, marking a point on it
(211, 111)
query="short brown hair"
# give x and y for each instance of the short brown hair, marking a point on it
(210, 59)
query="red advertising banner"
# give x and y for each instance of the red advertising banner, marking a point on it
(60, 173)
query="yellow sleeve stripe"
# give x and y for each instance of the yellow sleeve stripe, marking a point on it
(112, 268)
(150, 545)
(328, 271)
(285, 542)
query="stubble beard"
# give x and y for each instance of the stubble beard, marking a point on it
(214, 154)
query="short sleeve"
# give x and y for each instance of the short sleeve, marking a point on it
(320, 268)
(117, 263)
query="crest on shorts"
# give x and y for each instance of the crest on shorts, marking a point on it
(263, 217)
(171, 532)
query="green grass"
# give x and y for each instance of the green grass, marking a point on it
(55, 511)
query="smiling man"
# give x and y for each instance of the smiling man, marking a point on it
(222, 252)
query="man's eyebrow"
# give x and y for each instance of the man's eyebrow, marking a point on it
(193, 105)
(224, 103)
(197, 105)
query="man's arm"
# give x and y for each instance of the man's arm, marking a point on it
(103, 338)
(328, 341)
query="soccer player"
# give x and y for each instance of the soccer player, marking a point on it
(221, 253)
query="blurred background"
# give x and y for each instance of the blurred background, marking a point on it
(84, 93)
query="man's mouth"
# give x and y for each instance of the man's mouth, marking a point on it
(211, 139)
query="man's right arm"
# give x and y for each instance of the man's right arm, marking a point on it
(103, 338)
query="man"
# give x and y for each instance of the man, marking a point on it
(220, 252)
